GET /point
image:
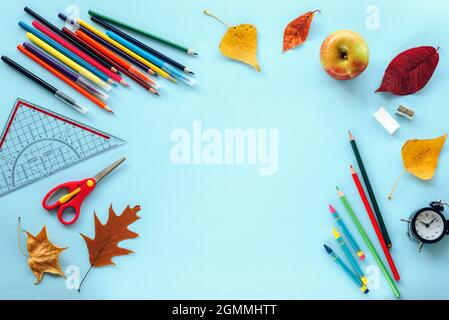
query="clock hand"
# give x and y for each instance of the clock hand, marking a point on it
(425, 224)
(432, 221)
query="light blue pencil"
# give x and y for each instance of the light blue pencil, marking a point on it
(181, 76)
(346, 269)
(349, 255)
(347, 233)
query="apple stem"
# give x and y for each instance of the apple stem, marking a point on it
(207, 12)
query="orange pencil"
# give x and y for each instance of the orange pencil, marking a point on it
(125, 64)
(55, 72)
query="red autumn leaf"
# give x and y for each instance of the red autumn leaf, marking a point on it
(410, 71)
(297, 31)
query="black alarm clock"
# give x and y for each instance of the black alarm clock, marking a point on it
(428, 225)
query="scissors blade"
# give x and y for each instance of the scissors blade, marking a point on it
(103, 173)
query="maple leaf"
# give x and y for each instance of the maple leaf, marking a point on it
(43, 255)
(104, 246)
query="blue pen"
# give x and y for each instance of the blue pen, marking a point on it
(346, 269)
(348, 255)
(347, 233)
(153, 59)
(65, 51)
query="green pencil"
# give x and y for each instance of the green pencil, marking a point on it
(368, 242)
(371, 195)
(142, 32)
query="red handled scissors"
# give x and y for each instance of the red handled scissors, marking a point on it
(77, 192)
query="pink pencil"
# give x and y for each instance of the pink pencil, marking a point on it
(75, 50)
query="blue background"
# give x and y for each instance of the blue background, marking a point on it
(219, 232)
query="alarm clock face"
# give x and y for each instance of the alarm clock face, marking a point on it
(428, 226)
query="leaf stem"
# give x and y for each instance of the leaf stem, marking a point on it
(390, 195)
(207, 12)
(19, 229)
(84, 278)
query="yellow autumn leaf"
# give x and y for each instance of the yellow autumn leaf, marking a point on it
(420, 157)
(239, 42)
(43, 256)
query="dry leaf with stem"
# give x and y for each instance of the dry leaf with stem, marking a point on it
(43, 256)
(104, 246)
(420, 158)
(239, 42)
(297, 31)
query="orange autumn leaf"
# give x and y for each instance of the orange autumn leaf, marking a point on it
(297, 31)
(104, 246)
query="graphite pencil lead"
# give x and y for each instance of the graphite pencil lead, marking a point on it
(351, 137)
(352, 169)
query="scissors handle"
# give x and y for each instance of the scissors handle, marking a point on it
(77, 192)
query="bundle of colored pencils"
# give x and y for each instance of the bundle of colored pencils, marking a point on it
(92, 62)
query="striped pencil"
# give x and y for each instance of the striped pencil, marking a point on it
(347, 270)
(349, 256)
(347, 233)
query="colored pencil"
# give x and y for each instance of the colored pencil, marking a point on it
(80, 53)
(178, 75)
(368, 242)
(349, 256)
(346, 269)
(67, 61)
(126, 65)
(347, 233)
(375, 224)
(66, 52)
(100, 34)
(62, 35)
(118, 52)
(78, 79)
(371, 195)
(141, 45)
(58, 94)
(68, 81)
(142, 32)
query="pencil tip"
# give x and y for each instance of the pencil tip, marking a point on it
(328, 250)
(332, 209)
(338, 189)
(336, 234)
(352, 169)
(351, 137)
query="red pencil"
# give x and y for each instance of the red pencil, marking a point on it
(71, 83)
(375, 224)
(78, 52)
(125, 64)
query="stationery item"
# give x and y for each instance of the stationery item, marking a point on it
(69, 62)
(375, 224)
(141, 45)
(37, 143)
(349, 256)
(126, 72)
(67, 72)
(57, 93)
(386, 120)
(347, 270)
(178, 75)
(80, 53)
(347, 233)
(61, 34)
(368, 242)
(64, 51)
(372, 197)
(100, 34)
(64, 78)
(77, 192)
(126, 65)
(428, 225)
(403, 111)
(142, 32)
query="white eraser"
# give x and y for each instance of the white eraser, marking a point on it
(386, 120)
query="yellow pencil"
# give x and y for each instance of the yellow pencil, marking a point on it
(103, 36)
(69, 62)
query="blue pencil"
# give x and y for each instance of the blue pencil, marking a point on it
(347, 233)
(346, 269)
(66, 52)
(348, 255)
(153, 59)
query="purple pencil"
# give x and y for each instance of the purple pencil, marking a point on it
(67, 72)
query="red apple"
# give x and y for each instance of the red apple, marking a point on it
(344, 55)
